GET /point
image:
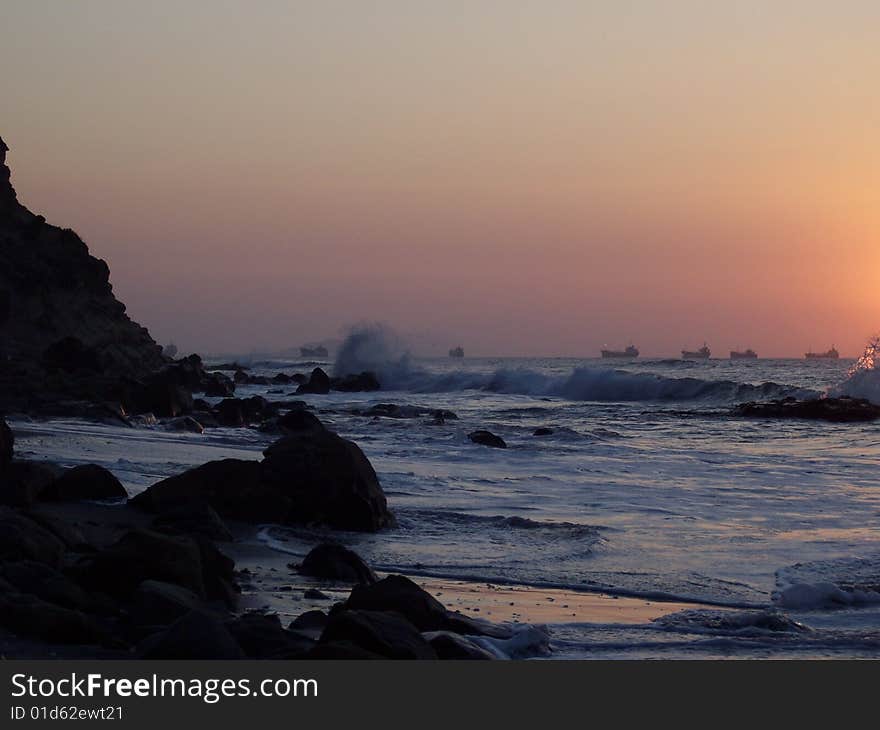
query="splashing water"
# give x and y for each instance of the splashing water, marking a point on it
(863, 378)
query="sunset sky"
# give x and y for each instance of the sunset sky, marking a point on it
(517, 177)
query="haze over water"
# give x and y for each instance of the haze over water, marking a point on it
(517, 177)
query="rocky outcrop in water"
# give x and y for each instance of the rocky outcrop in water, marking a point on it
(836, 410)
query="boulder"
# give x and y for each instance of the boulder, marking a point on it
(161, 395)
(388, 634)
(47, 583)
(195, 635)
(298, 420)
(21, 538)
(355, 383)
(195, 518)
(185, 424)
(310, 623)
(400, 594)
(141, 555)
(318, 382)
(333, 561)
(7, 440)
(328, 480)
(217, 385)
(310, 476)
(543, 431)
(261, 636)
(243, 411)
(836, 410)
(88, 481)
(341, 650)
(156, 603)
(24, 482)
(449, 645)
(232, 487)
(27, 615)
(487, 438)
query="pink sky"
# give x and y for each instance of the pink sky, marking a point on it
(516, 177)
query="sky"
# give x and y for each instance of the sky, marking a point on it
(518, 177)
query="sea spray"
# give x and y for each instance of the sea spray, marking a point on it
(373, 347)
(863, 379)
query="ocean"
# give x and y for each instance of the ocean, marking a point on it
(647, 487)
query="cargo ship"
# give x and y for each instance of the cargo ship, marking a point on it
(749, 354)
(831, 354)
(704, 353)
(630, 351)
(456, 352)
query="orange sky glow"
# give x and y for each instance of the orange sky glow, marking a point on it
(521, 178)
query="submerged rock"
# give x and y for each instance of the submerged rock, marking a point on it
(487, 438)
(836, 410)
(318, 382)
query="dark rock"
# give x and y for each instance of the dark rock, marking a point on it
(23, 482)
(385, 633)
(240, 376)
(218, 573)
(319, 383)
(232, 487)
(43, 581)
(261, 636)
(341, 650)
(196, 635)
(141, 555)
(487, 438)
(161, 395)
(186, 424)
(328, 480)
(28, 615)
(156, 603)
(243, 411)
(397, 593)
(282, 378)
(217, 384)
(310, 623)
(70, 536)
(299, 419)
(454, 646)
(312, 476)
(193, 518)
(70, 355)
(836, 410)
(88, 481)
(313, 594)
(355, 383)
(542, 431)
(7, 440)
(336, 562)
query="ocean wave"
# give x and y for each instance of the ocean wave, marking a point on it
(590, 384)
(833, 583)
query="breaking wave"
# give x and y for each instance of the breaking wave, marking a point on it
(376, 348)
(863, 379)
(832, 583)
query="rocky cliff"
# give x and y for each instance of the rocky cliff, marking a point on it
(57, 308)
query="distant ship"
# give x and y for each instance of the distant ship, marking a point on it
(831, 354)
(702, 354)
(630, 351)
(317, 351)
(749, 354)
(456, 352)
